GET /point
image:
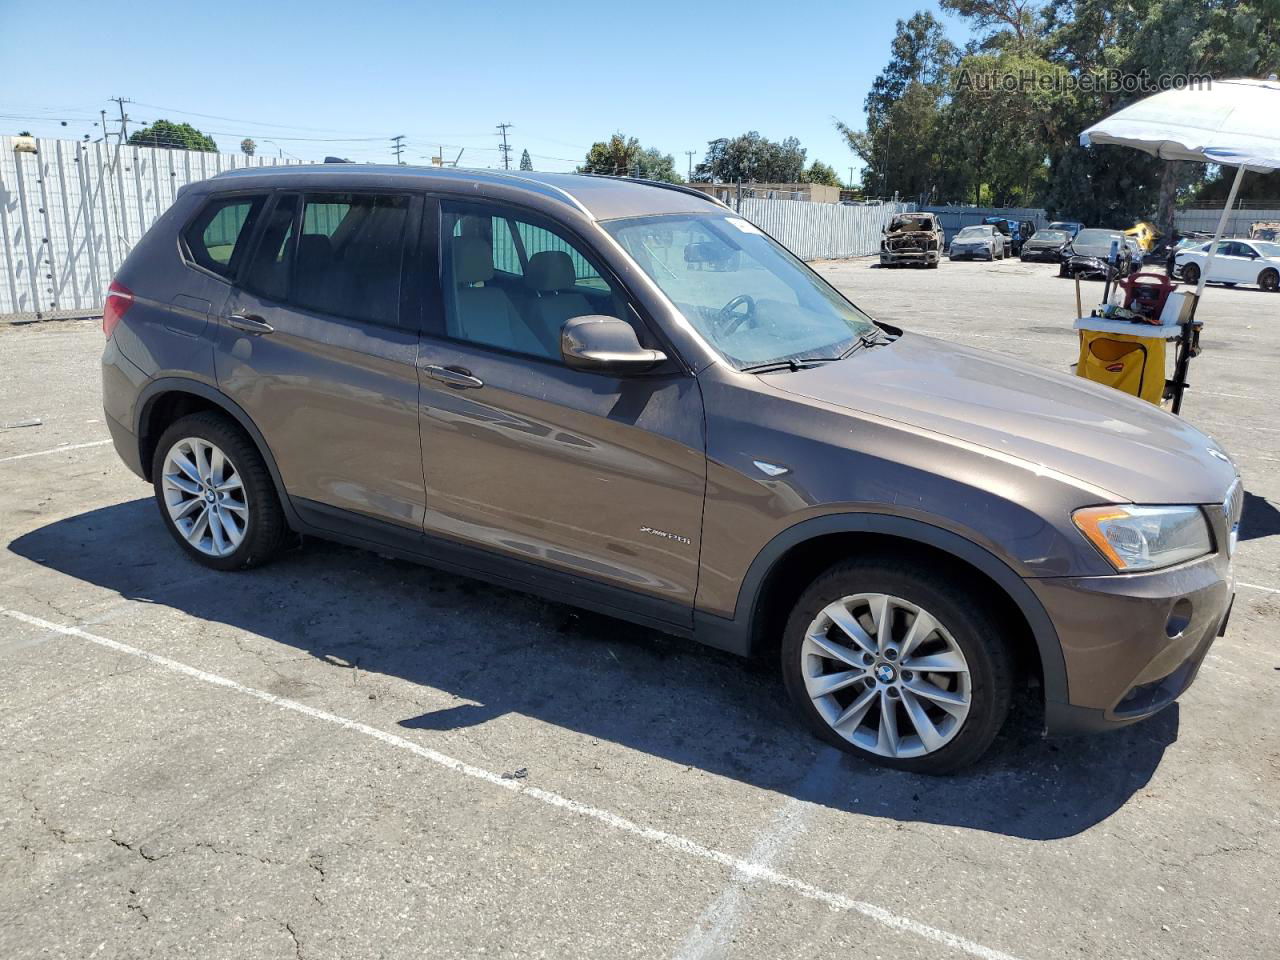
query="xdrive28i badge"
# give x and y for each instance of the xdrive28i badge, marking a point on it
(665, 535)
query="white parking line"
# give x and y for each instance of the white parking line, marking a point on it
(44, 453)
(715, 928)
(1254, 586)
(671, 841)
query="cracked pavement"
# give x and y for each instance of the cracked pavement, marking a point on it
(149, 813)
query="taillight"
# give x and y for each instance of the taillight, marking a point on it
(119, 300)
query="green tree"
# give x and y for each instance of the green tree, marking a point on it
(752, 157)
(653, 164)
(899, 145)
(614, 157)
(622, 156)
(819, 172)
(526, 162)
(248, 146)
(174, 136)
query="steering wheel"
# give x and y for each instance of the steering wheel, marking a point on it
(730, 320)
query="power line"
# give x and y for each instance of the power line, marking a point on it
(506, 149)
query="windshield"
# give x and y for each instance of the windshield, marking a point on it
(744, 293)
(1267, 249)
(974, 232)
(1098, 238)
(911, 223)
(1054, 236)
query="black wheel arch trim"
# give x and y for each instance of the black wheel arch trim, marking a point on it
(157, 388)
(737, 634)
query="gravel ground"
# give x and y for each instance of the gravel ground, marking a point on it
(346, 756)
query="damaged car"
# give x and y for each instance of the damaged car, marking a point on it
(912, 238)
(1045, 245)
(1089, 255)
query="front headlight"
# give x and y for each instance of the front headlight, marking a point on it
(1145, 538)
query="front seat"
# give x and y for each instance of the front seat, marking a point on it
(550, 277)
(485, 314)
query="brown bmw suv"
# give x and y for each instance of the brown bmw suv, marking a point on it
(622, 396)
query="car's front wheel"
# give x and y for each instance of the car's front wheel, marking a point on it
(215, 494)
(1190, 273)
(899, 663)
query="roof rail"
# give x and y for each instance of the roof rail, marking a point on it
(678, 187)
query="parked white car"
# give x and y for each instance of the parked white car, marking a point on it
(1236, 261)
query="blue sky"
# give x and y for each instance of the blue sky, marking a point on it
(563, 73)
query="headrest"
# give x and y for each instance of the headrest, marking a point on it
(472, 260)
(314, 248)
(550, 270)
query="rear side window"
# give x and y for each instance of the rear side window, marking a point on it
(350, 256)
(216, 238)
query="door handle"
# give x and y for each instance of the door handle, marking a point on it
(458, 377)
(250, 323)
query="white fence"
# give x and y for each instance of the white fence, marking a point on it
(1238, 221)
(72, 211)
(823, 231)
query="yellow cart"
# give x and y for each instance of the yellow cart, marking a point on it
(1127, 356)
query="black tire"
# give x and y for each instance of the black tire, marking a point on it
(1269, 280)
(957, 606)
(1190, 273)
(933, 265)
(266, 528)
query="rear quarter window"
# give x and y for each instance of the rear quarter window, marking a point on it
(217, 236)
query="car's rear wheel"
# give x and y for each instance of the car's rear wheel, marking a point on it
(215, 494)
(1269, 280)
(1190, 273)
(898, 663)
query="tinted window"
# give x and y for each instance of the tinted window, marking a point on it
(220, 230)
(348, 256)
(512, 283)
(268, 274)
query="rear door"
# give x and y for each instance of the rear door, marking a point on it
(592, 474)
(318, 344)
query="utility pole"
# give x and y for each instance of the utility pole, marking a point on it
(124, 120)
(689, 154)
(506, 150)
(397, 147)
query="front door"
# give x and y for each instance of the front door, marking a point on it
(594, 475)
(315, 347)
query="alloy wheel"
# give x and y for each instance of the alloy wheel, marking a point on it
(886, 675)
(205, 497)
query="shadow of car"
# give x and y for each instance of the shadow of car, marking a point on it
(507, 653)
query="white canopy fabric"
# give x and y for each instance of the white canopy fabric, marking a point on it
(1235, 123)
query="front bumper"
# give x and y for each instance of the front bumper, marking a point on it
(1131, 644)
(1050, 255)
(982, 253)
(890, 257)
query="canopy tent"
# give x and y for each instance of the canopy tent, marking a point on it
(1233, 123)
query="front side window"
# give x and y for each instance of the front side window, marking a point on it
(512, 283)
(743, 292)
(216, 236)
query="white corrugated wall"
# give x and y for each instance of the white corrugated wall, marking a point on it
(823, 231)
(72, 211)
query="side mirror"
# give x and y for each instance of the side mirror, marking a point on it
(605, 344)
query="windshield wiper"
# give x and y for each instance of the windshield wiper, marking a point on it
(791, 363)
(868, 340)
